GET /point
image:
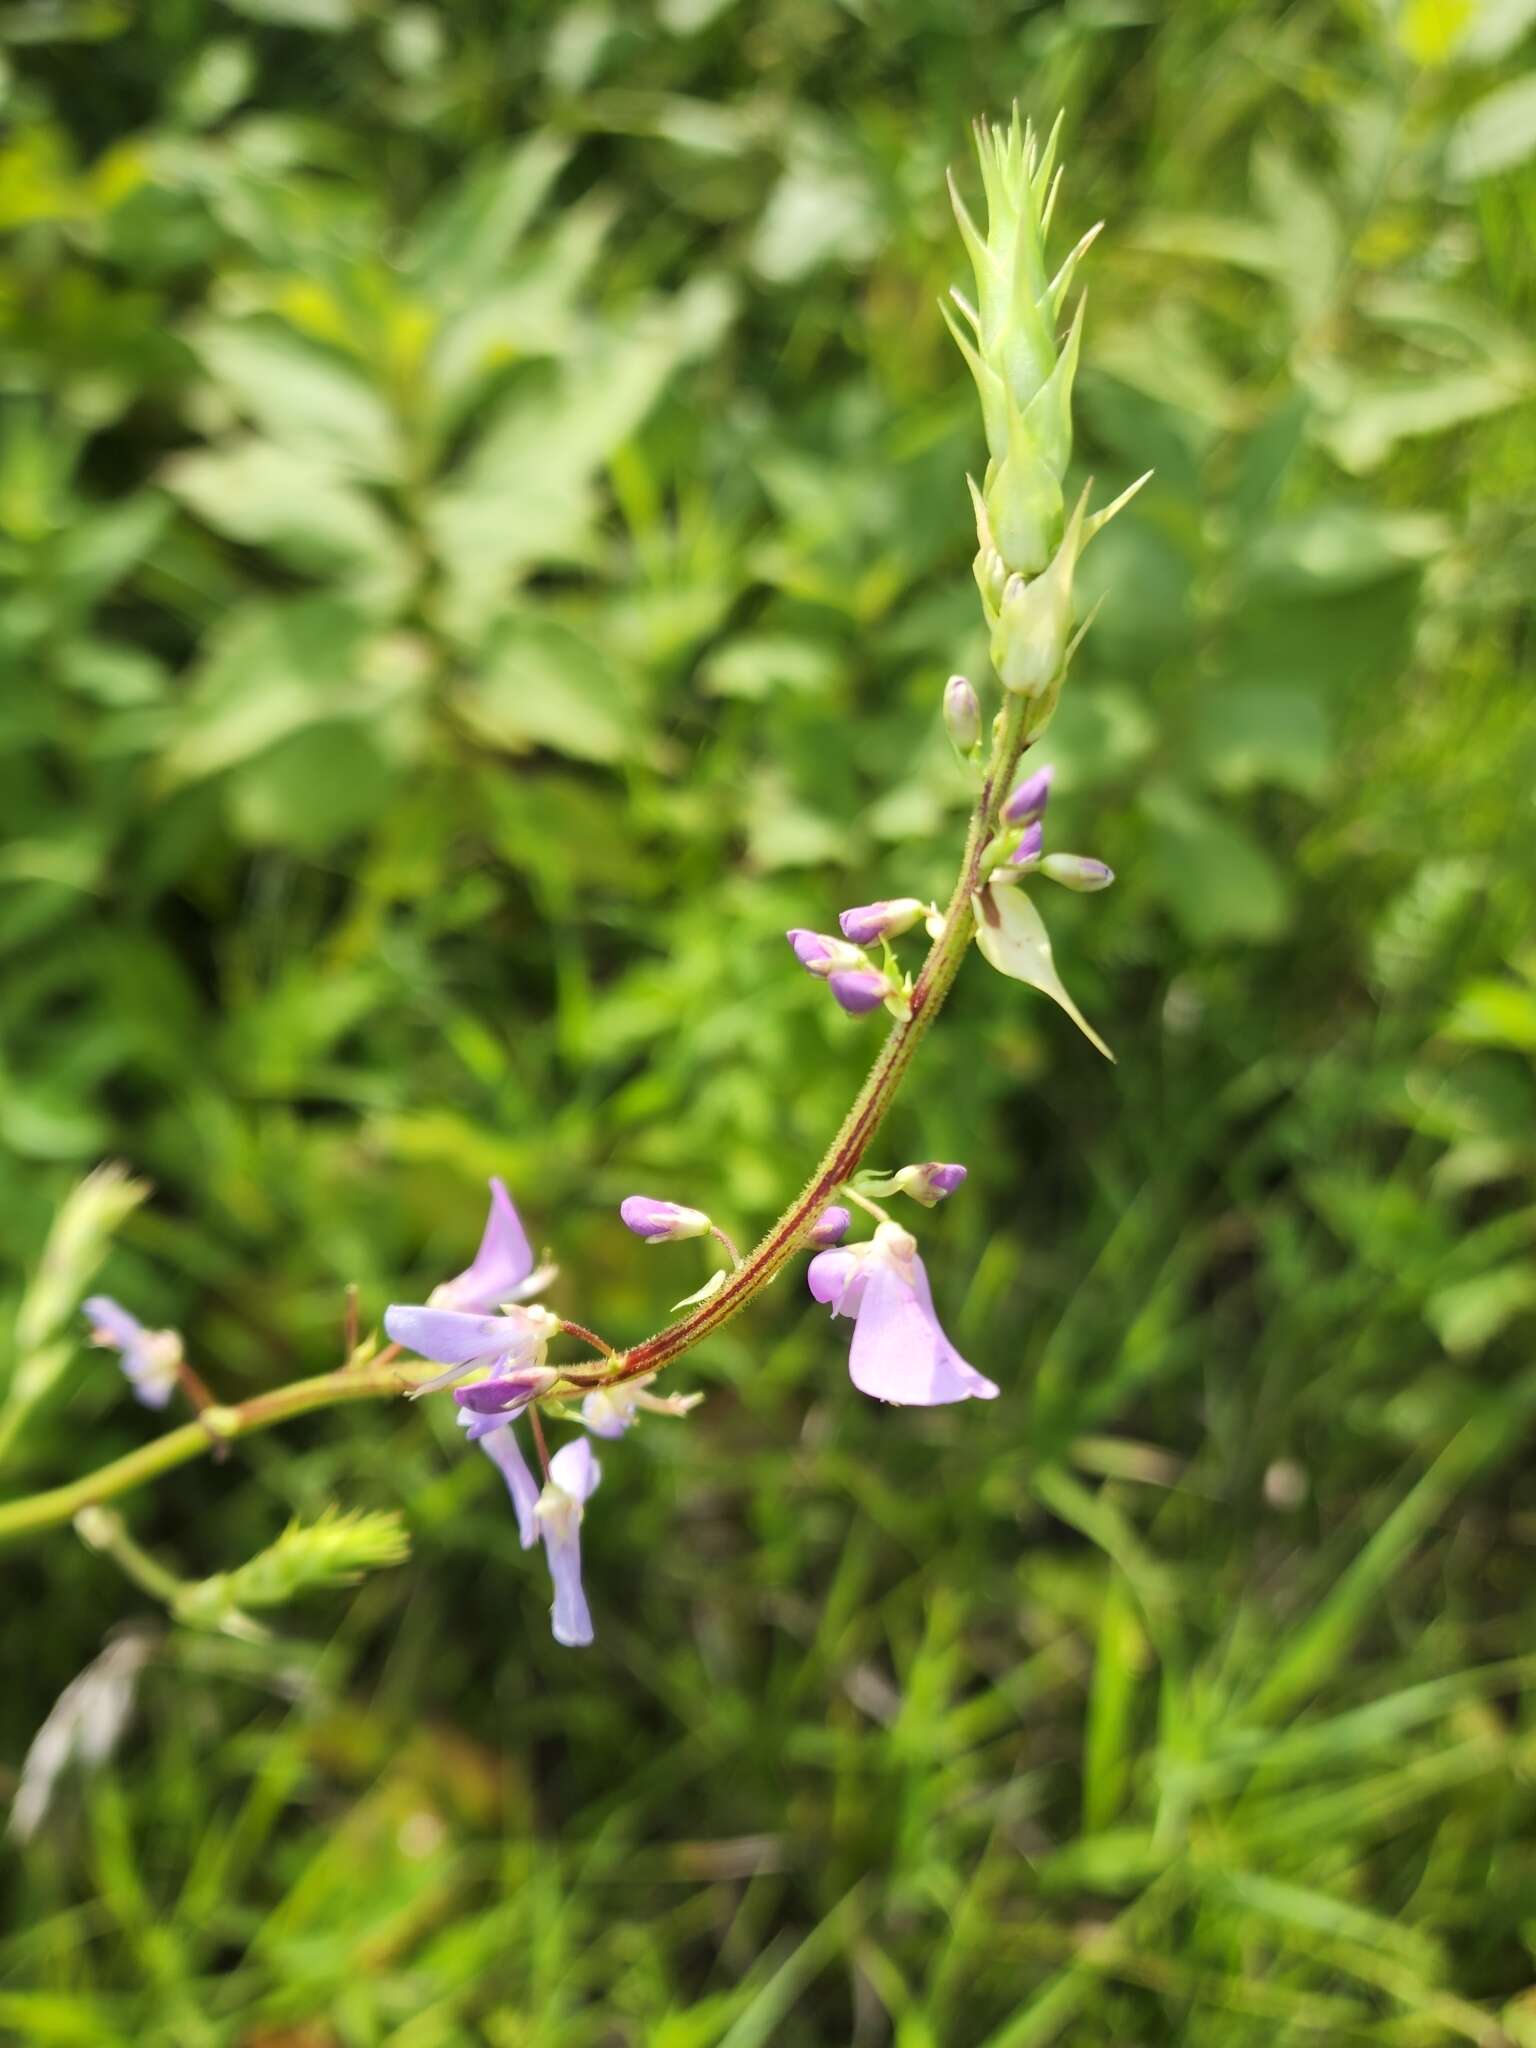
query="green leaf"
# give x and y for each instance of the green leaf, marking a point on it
(1470, 1314)
(469, 235)
(1012, 937)
(539, 683)
(1217, 882)
(1344, 547)
(272, 670)
(526, 495)
(312, 789)
(1257, 733)
(1497, 133)
(755, 665)
(324, 17)
(269, 496)
(299, 395)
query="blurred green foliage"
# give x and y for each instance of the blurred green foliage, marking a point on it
(483, 533)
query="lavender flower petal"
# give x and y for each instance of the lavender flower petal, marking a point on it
(498, 1269)
(899, 1353)
(453, 1338)
(501, 1446)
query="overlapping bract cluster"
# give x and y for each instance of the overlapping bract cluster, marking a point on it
(1027, 545)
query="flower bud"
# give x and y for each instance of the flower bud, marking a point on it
(962, 714)
(820, 955)
(1031, 843)
(930, 1182)
(859, 990)
(1077, 871)
(872, 921)
(661, 1222)
(830, 1227)
(1028, 801)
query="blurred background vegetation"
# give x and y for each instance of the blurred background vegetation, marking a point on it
(483, 534)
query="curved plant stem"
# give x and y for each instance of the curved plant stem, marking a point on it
(218, 1426)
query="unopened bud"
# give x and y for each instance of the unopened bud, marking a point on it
(818, 954)
(859, 990)
(930, 1182)
(661, 1222)
(1029, 800)
(1077, 871)
(962, 714)
(830, 1227)
(872, 921)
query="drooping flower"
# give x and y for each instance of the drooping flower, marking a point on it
(899, 1352)
(868, 922)
(502, 1270)
(151, 1358)
(573, 1476)
(514, 1342)
(662, 1222)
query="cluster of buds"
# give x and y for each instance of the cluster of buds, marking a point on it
(857, 984)
(1019, 849)
(1027, 545)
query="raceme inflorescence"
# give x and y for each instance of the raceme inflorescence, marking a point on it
(483, 1337)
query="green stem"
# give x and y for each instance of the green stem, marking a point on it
(220, 1425)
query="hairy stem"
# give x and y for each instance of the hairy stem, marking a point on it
(217, 1426)
(859, 1126)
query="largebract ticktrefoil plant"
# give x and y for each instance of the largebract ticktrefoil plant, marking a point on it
(484, 1338)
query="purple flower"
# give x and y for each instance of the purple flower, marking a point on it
(899, 1352)
(500, 1445)
(929, 1182)
(962, 713)
(662, 1222)
(573, 1477)
(151, 1358)
(512, 1342)
(859, 990)
(821, 955)
(830, 1227)
(872, 921)
(502, 1270)
(1078, 871)
(1028, 801)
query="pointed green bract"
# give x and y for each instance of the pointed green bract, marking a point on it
(1012, 936)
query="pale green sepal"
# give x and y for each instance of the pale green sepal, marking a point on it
(1099, 520)
(1061, 283)
(711, 1287)
(1012, 936)
(990, 388)
(1048, 416)
(1029, 641)
(1024, 502)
